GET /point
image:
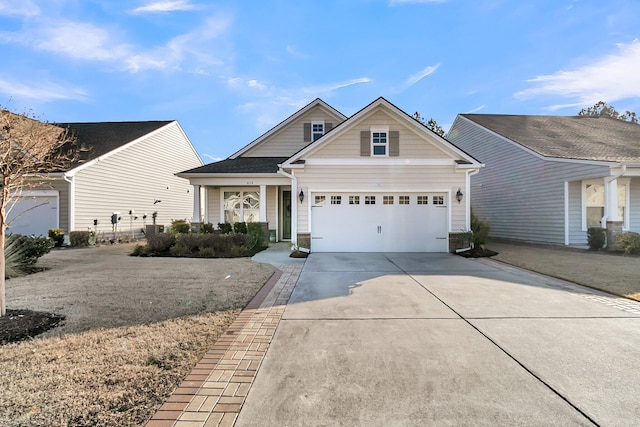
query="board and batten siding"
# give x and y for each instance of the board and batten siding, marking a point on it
(412, 144)
(520, 194)
(290, 139)
(393, 179)
(133, 178)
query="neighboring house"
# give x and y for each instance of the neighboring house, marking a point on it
(121, 167)
(376, 181)
(549, 178)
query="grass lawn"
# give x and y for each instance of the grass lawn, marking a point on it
(134, 328)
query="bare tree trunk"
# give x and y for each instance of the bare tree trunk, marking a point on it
(3, 236)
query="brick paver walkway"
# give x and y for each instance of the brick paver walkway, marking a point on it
(213, 393)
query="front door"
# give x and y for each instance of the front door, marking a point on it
(286, 215)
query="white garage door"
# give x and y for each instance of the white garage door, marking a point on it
(367, 222)
(33, 214)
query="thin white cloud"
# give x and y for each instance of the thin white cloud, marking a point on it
(45, 91)
(78, 40)
(421, 75)
(166, 6)
(610, 78)
(475, 110)
(212, 158)
(194, 51)
(317, 90)
(26, 8)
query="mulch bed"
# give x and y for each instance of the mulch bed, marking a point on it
(19, 325)
(478, 252)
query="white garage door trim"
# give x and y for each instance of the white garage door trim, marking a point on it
(49, 207)
(383, 227)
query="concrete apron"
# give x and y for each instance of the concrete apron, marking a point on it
(436, 339)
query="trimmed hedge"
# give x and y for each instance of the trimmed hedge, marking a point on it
(79, 238)
(629, 242)
(180, 226)
(596, 237)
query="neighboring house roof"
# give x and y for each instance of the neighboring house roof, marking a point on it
(242, 165)
(285, 122)
(567, 137)
(99, 138)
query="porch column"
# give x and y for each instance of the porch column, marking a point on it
(197, 217)
(263, 203)
(614, 224)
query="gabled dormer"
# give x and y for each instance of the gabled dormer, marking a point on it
(294, 133)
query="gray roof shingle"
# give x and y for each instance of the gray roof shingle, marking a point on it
(567, 137)
(241, 165)
(99, 138)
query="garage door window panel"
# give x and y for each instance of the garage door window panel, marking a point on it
(369, 200)
(354, 200)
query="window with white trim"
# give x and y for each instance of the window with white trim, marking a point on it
(319, 200)
(387, 200)
(317, 130)
(336, 200)
(354, 200)
(403, 200)
(241, 206)
(594, 204)
(438, 200)
(369, 200)
(380, 142)
(595, 201)
(423, 200)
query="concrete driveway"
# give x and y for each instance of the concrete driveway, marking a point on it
(436, 339)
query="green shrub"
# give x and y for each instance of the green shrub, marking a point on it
(629, 242)
(141, 250)
(206, 228)
(79, 238)
(21, 252)
(254, 230)
(240, 227)
(596, 237)
(57, 235)
(225, 227)
(180, 226)
(480, 231)
(160, 243)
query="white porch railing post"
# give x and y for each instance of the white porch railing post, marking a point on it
(197, 216)
(263, 203)
(612, 201)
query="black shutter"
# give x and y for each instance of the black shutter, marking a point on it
(307, 132)
(365, 143)
(394, 143)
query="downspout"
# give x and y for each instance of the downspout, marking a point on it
(71, 205)
(468, 204)
(294, 205)
(609, 197)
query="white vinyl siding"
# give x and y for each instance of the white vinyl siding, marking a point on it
(634, 205)
(412, 144)
(382, 180)
(520, 194)
(290, 139)
(133, 178)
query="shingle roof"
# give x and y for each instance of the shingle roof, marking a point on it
(99, 138)
(568, 137)
(241, 165)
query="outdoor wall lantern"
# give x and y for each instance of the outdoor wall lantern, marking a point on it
(459, 195)
(301, 196)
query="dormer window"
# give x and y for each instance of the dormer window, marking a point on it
(317, 130)
(379, 142)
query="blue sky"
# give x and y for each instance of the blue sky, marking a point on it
(230, 70)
